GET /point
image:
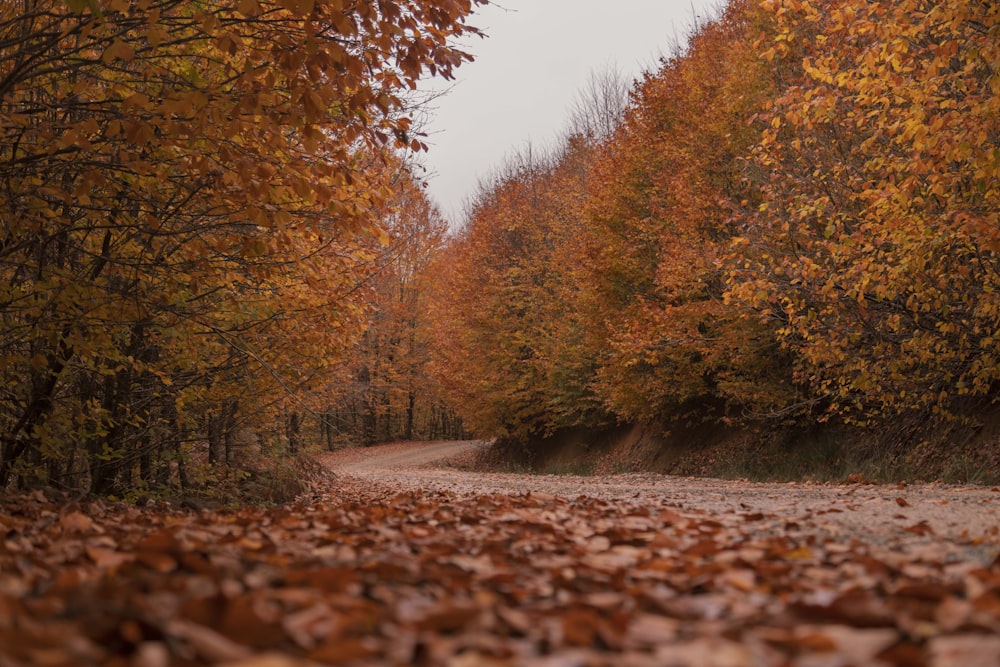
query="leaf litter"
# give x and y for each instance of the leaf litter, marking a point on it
(370, 574)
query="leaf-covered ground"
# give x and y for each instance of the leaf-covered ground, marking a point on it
(380, 573)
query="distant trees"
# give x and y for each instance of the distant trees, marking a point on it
(387, 393)
(794, 218)
(505, 341)
(190, 200)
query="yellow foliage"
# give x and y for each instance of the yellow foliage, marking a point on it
(190, 193)
(881, 221)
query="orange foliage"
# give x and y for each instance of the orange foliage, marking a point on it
(590, 287)
(387, 393)
(797, 216)
(877, 245)
(667, 192)
(190, 198)
(510, 348)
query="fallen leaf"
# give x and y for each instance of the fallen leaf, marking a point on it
(964, 651)
(646, 631)
(206, 642)
(77, 522)
(922, 529)
(108, 559)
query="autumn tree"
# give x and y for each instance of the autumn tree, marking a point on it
(590, 287)
(796, 217)
(599, 107)
(512, 351)
(491, 282)
(388, 394)
(188, 193)
(665, 197)
(876, 247)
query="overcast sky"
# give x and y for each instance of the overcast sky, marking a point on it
(528, 72)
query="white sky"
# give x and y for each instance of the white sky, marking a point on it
(539, 54)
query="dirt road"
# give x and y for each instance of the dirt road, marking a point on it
(657, 571)
(961, 521)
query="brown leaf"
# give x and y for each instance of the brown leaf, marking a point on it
(77, 522)
(617, 558)
(711, 652)
(448, 618)
(476, 564)
(922, 529)
(580, 627)
(163, 540)
(517, 621)
(671, 518)
(328, 579)
(814, 641)
(308, 626)
(860, 645)
(206, 642)
(964, 651)
(740, 579)
(924, 590)
(338, 651)
(703, 548)
(857, 608)
(953, 613)
(108, 559)
(253, 619)
(646, 631)
(150, 654)
(157, 561)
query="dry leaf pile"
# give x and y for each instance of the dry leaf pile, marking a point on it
(377, 577)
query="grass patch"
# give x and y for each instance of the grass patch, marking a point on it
(818, 457)
(573, 468)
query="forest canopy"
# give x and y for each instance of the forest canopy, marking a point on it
(193, 200)
(210, 234)
(794, 218)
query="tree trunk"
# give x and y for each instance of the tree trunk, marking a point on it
(328, 429)
(215, 453)
(229, 429)
(293, 433)
(411, 401)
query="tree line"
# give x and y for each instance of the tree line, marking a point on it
(211, 241)
(794, 219)
(196, 200)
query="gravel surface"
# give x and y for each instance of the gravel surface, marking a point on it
(958, 522)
